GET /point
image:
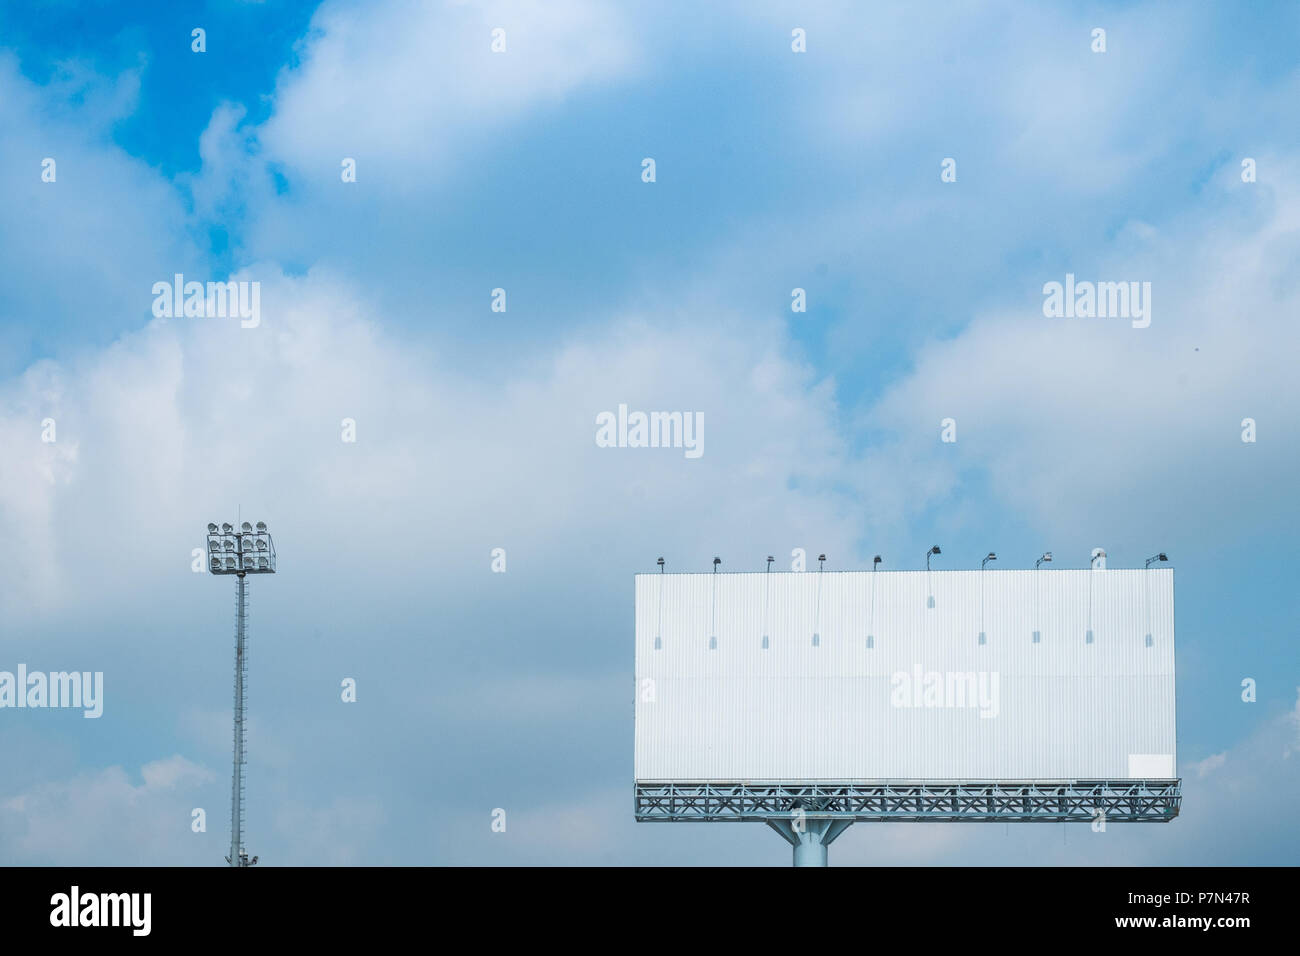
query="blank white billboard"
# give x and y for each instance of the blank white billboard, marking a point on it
(905, 676)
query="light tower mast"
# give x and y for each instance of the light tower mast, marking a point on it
(240, 552)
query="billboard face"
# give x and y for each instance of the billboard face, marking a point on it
(905, 676)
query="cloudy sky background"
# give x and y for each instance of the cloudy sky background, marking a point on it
(475, 429)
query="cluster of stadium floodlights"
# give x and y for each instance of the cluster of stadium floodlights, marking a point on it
(246, 551)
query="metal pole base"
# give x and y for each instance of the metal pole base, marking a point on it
(810, 838)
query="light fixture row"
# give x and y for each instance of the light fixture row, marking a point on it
(233, 564)
(244, 528)
(1045, 558)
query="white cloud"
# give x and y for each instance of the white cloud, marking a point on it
(176, 424)
(1112, 419)
(342, 832)
(400, 84)
(79, 251)
(103, 818)
(1210, 764)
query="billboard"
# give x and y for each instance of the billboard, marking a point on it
(995, 675)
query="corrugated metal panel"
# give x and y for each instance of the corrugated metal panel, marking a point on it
(1064, 707)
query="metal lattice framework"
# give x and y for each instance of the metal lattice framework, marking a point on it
(1149, 801)
(237, 852)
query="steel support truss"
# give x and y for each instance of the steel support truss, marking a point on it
(1003, 801)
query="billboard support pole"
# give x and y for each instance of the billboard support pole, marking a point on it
(810, 838)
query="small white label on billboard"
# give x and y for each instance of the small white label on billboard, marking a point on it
(1151, 766)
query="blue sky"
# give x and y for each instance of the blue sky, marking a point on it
(522, 170)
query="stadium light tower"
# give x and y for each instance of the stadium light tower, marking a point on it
(241, 552)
